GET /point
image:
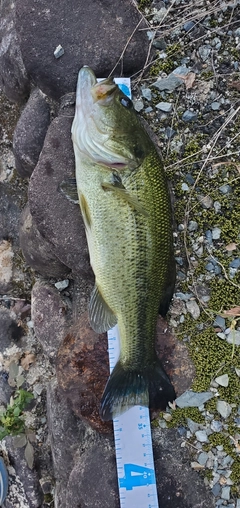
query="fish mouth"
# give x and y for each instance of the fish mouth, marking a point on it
(90, 132)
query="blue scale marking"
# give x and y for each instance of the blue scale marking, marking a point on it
(134, 455)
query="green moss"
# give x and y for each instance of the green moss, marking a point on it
(143, 4)
(161, 66)
(180, 415)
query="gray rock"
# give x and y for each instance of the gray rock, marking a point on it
(234, 337)
(235, 263)
(219, 321)
(215, 106)
(147, 94)
(193, 308)
(206, 201)
(49, 314)
(225, 494)
(216, 489)
(202, 458)
(30, 132)
(217, 206)
(92, 33)
(188, 26)
(14, 80)
(193, 399)
(57, 219)
(225, 189)
(193, 426)
(93, 480)
(216, 233)
(62, 284)
(201, 436)
(38, 252)
(216, 426)
(172, 81)
(209, 267)
(193, 225)
(222, 380)
(138, 105)
(189, 116)
(223, 408)
(170, 133)
(164, 106)
(204, 52)
(185, 187)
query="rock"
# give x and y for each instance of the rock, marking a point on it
(225, 189)
(216, 233)
(49, 314)
(188, 26)
(235, 263)
(30, 132)
(13, 76)
(216, 426)
(28, 477)
(193, 309)
(57, 219)
(38, 252)
(9, 329)
(215, 106)
(225, 493)
(201, 436)
(219, 321)
(62, 284)
(164, 106)
(94, 34)
(146, 93)
(170, 133)
(193, 399)
(185, 187)
(206, 201)
(93, 480)
(193, 426)
(223, 408)
(138, 105)
(204, 52)
(189, 116)
(5, 390)
(234, 337)
(192, 226)
(222, 380)
(202, 458)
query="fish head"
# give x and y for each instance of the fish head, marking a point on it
(106, 128)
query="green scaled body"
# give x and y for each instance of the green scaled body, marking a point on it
(126, 209)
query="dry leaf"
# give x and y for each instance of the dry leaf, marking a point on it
(188, 79)
(235, 84)
(27, 360)
(235, 311)
(231, 246)
(29, 455)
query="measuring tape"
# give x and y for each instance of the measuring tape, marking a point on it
(133, 445)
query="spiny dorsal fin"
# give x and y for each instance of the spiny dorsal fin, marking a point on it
(101, 316)
(124, 194)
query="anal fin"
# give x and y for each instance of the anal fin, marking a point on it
(101, 316)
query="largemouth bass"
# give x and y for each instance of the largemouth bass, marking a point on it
(126, 209)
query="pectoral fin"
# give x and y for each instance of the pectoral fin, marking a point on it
(124, 194)
(100, 315)
(69, 188)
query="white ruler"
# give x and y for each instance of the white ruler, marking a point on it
(133, 444)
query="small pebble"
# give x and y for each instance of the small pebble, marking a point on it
(170, 133)
(164, 106)
(219, 321)
(185, 187)
(235, 263)
(217, 206)
(59, 51)
(204, 52)
(149, 109)
(216, 489)
(188, 26)
(193, 225)
(138, 105)
(205, 201)
(233, 337)
(62, 284)
(193, 426)
(193, 309)
(238, 500)
(216, 233)
(189, 116)
(208, 235)
(147, 94)
(209, 267)
(225, 493)
(201, 436)
(225, 189)
(193, 399)
(216, 426)
(215, 106)
(222, 380)
(202, 458)
(223, 408)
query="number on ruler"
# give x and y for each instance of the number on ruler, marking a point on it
(136, 476)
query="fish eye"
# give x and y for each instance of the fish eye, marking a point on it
(126, 102)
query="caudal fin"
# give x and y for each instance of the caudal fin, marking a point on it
(126, 387)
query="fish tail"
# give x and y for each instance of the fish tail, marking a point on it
(128, 387)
